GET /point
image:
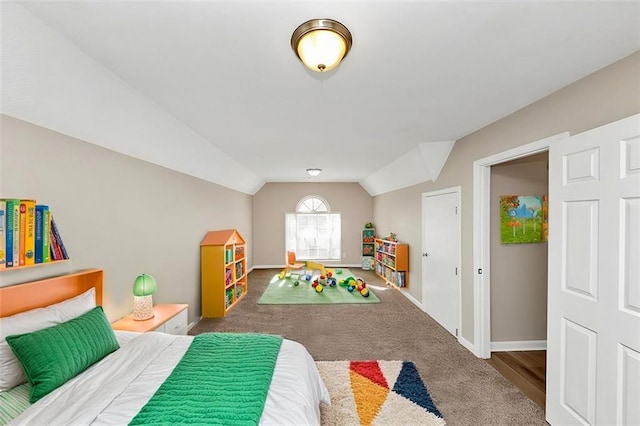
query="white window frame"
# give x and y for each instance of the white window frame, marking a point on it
(330, 246)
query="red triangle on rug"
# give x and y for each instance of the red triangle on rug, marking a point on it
(370, 370)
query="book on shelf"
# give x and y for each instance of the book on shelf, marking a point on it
(54, 248)
(228, 298)
(3, 256)
(239, 252)
(58, 250)
(41, 235)
(12, 231)
(46, 235)
(28, 251)
(239, 270)
(22, 232)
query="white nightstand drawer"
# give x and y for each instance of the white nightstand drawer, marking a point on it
(177, 324)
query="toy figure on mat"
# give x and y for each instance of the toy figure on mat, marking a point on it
(293, 265)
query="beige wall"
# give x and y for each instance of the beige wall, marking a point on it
(275, 199)
(120, 214)
(133, 223)
(518, 271)
(605, 96)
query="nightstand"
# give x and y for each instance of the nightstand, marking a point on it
(170, 318)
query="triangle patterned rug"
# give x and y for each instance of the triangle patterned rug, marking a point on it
(376, 393)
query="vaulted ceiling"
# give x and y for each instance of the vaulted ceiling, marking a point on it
(420, 75)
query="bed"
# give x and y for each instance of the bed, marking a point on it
(274, 381)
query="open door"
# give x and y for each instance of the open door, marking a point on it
(593, 355)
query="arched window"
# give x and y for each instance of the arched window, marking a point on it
(313, 232)
(313, 204)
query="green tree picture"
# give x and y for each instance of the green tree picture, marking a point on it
(520, 219)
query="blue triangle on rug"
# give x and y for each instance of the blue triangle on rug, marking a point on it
(411, 386)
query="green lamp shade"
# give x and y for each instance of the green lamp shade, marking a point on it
(144, 285)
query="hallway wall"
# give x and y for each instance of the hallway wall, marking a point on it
(518, 271)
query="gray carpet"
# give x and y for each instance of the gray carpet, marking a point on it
(466, 390)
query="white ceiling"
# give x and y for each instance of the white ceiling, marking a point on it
(419, 73)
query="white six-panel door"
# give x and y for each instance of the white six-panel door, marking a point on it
(441, 257)
(593, 355)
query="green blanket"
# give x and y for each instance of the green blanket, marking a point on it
(223, 378)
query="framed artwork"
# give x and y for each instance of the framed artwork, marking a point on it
(522, 219)
(545, 218)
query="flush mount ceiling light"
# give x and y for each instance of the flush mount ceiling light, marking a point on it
(321, 43)
(314, 172)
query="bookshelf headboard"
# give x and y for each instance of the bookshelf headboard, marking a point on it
(38, 294)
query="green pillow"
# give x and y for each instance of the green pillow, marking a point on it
(53, 355)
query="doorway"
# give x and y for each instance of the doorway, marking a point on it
(441, 245)
(524, 370)
(482, 240)
(518, 271)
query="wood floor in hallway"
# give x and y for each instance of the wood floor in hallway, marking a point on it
(525, 369)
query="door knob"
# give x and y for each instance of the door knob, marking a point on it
(425, 254)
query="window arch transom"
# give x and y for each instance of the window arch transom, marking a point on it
(313, 204)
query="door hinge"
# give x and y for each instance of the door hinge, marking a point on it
(456, 209)
(456, 270)
(456, 332)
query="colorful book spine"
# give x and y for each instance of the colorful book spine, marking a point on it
(16, 233)
(58, 240)
(46, 232)
(29, 231)
(3, 237)
(12, 230)
(54, 248)
(40, 247)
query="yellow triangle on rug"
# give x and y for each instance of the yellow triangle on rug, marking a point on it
(369, 397)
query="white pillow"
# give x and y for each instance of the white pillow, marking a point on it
(33, 320)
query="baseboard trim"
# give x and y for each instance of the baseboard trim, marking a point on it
(523, 345)
(411, 299)
(468, 345)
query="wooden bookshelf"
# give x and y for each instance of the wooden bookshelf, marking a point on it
(368, 247)
(392, 262)
(223, 268)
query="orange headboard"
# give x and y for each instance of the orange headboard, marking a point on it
(37, 294)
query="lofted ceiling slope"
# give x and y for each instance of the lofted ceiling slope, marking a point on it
(420, 75)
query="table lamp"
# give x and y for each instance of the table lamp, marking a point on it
(143, 288)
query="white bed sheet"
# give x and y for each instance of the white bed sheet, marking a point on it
(115, 389)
